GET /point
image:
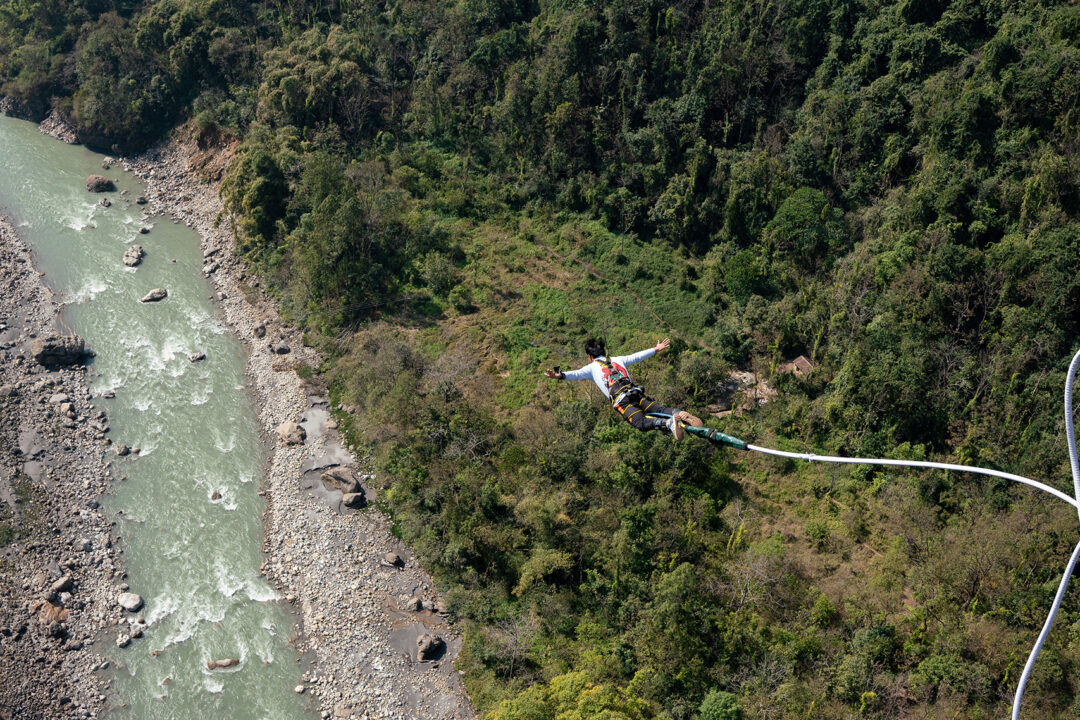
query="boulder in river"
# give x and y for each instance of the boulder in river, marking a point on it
(99, 183)
(58, 350)
(133, 255)
(221, 664)
(196, 357)
(291, 433)
(129, 601)
(155, 295)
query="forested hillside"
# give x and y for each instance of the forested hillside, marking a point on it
(451, 197)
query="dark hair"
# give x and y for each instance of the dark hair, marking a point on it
(595, 348)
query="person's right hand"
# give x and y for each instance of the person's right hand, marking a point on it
(552, 374)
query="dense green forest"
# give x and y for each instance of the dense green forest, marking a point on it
(452, 196)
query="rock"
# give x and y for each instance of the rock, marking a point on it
(343, 479)
(61, 585)
(58, 350)
(23, 110)
(59, 399)
(196, 357)
(259, 331)
(99, 183)
(140, 200)
(215, 495)
(291, 433)
(73, 644)
(133, 255)
(8, 391)
(123, 450)
(298, 689)
(123, 641)
(412, 604)
(282, 349)
(155, 295)
(56, 126)
(353, 500)
(428, 646)
(84, 544)
(49, 614)
(393, 559)
(221, 664)
(144, 230)
(129, 601)
(54, 630)
(106, 202)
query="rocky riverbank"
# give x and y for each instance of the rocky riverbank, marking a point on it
(60, 572)
(367, 615)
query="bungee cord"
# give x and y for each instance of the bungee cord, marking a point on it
(1070, 438)
(1062, 587)
(722, 439)
(810, 457)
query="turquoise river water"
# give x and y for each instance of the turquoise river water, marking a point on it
(194, 557)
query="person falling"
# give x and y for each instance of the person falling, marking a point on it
(627, 397)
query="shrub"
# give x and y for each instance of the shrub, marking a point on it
(720, 705)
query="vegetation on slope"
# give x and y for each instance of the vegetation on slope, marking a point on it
(452, 196)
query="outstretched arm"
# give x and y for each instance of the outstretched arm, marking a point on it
(639, 356)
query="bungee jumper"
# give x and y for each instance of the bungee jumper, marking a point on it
(627, 397)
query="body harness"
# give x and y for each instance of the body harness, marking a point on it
(624, 393)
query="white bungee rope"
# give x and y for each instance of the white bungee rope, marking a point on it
(1074, 501)
(810, 457)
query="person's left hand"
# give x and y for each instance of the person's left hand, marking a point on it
(662, 345)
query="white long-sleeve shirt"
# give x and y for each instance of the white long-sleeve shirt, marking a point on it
(595, 371)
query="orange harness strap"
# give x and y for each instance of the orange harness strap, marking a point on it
(637, 408)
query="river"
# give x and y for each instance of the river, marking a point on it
(187, 508)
